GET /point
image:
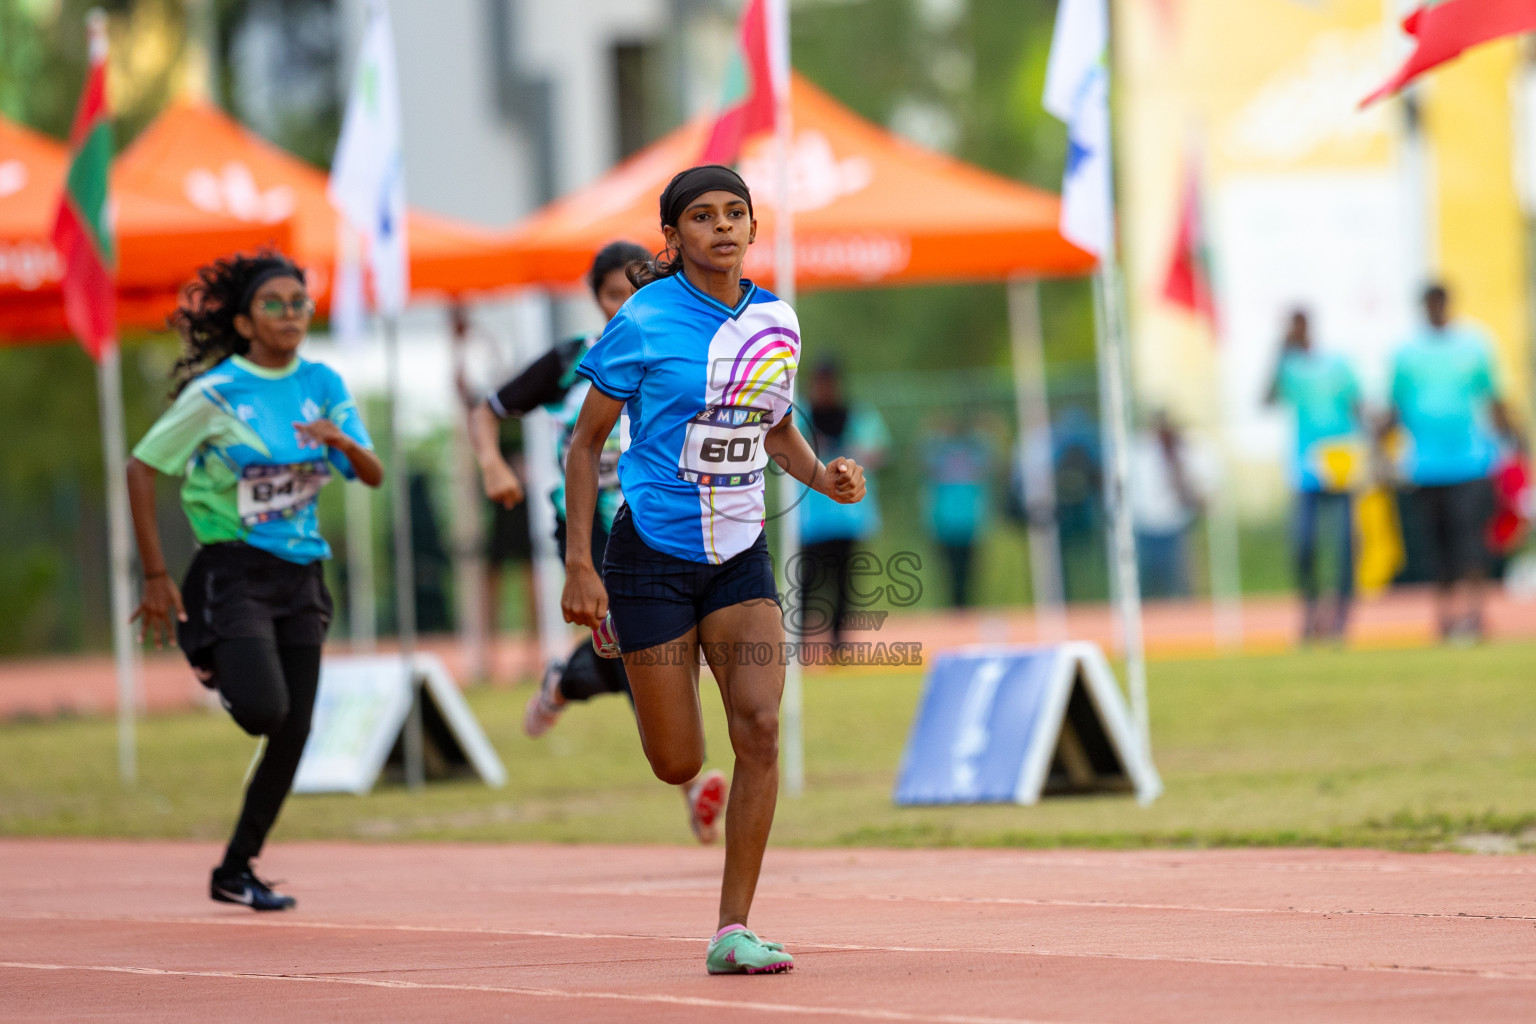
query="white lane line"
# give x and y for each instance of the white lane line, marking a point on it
(1019, 901)
(711, 892)
(830, 947)
(543, 993)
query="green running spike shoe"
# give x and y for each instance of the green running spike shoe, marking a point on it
(739, 951)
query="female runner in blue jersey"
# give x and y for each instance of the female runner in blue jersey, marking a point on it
(256, 431)
(704, 361)
(551, 383)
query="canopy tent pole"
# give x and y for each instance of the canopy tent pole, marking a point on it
(405, 559)
(1223, 542)
(539, 447)
(109, 387)
(466, 522)
(1114, 405)
(1036, 469)
(793, 709)
(362, 605)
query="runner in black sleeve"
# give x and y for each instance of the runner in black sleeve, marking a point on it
(552, 384)
(256, 431)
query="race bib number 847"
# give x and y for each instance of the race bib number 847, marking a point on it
(724, 447)
(273, 492)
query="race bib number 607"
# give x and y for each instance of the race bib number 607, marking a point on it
(724, 447)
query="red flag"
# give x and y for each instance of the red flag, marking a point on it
(82, 231)
(1188, 282)
(1442, 32)
(749, 104)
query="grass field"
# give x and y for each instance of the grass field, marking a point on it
(1412, 749)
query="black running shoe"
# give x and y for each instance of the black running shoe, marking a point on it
(246, 889)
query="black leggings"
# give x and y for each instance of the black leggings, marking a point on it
(270, 691)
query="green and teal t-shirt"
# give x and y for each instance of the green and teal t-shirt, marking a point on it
(1443, 382)
(1323, 390)
(249, 475)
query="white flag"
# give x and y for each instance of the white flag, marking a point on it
(368, 174)
(349, 305)
(1077, 92)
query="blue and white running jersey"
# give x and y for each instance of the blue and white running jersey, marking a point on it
(702, 383)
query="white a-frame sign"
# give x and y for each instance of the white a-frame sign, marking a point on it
(1013, 724)
(361, 711)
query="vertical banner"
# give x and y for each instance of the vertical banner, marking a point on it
(83, 234)
(368, 187)
(1077, 93)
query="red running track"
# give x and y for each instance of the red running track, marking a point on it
(118, 931)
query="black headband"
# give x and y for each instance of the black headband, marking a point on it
(262, 277)
(694, 182)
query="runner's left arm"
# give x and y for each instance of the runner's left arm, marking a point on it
(363, 463)
(842, 480)
(339, 427)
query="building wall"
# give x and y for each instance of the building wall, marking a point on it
(466, 155)
(572, 42)
(1308, 201)
(1482, 251)
(462, 157)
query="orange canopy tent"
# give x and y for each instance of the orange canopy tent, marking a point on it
(196, 156)
(870, 209)
(160, 245)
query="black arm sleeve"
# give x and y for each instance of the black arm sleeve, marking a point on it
(539, 384)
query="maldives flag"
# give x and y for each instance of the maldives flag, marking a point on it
(1443, 31)
(753, 81)
(1188, 282)
(82, 232)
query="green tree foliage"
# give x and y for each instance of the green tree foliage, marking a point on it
(983, 70)
(53, 590)
(926, 355)
(43, 59)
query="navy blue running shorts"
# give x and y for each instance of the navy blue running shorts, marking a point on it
(655, 597)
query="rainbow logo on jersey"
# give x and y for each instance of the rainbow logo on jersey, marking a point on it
(765, 362)
(724, 443)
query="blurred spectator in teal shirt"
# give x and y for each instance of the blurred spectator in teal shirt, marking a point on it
(1445, 395)
(958, 465)
(829, 530)
(1324, 393)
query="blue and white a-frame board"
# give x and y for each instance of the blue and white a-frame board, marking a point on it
(1013, 724)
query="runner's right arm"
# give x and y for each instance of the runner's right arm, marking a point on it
(585, 601)
(161, 594)
(166, 448)
(539, 384)
(501, 484)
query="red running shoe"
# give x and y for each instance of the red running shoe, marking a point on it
(605, 640)
(706, 799)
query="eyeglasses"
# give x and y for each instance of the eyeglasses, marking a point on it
(302, 306)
